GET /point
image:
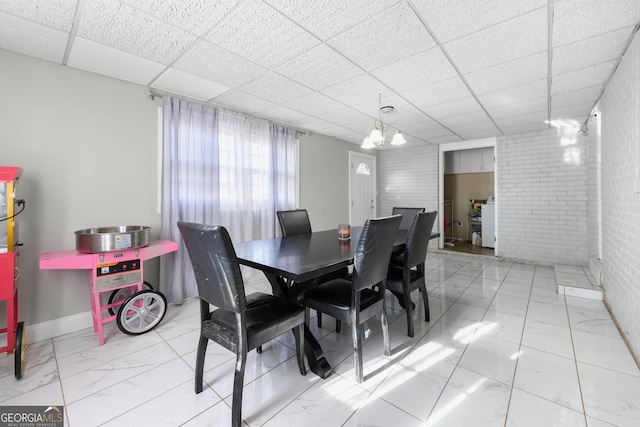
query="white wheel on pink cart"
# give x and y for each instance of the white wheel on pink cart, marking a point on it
(119, 295)
(141, 312)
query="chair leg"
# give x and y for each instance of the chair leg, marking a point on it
(202, 350)
(425, 300)
(259, 349)
(409, 311)
(385, 330)
(298, 333)
(338, 326)
(357, 351)
(319, 317)
(238, 383)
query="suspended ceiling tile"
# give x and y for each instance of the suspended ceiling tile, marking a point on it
(107, 61)
(452, 19)
(388, 37)
(275, 88)
(580, 19)
(315, 104)
(464, 106)
(347, 117)
(591, 51)
(319, 68)
(282, 114)
(437, 93)
(357, 90)
(514, 95)
(510, 122)
(313, 124)
(419, 70)
(261, 34)
(529, 127)
(434, 133)
(509, 74)
(242, 101)
(120, 26)
(57, 14)
(416, 119)
(197, 17)
(478, 119)
(516, 109)
(485, 125)
(509, 40)
(470, 136)
(579, 112)
(28, 38)
(575, 97)
(585, 77)
(217, 64)
(445, 139)
(177, 81)
(399, 104)
(326, 18)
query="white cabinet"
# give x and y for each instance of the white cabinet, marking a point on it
(469, 161)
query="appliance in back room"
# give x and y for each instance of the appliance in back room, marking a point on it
(489, 223)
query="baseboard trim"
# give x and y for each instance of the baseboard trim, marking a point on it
(57, 327)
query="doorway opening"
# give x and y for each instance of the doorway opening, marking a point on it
(468, 187)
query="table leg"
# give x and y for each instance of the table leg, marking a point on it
(317, 362)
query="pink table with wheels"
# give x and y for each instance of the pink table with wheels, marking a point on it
(110, 271)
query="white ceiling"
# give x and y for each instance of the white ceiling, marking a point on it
(453, 70)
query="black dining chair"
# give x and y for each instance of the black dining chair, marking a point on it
(297, 221)
(241, 322)
(409, 275)
(407, 215)
(354, 301)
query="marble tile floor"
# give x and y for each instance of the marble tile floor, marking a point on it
(502, 349)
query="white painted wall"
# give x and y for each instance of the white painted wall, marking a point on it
(620, 112)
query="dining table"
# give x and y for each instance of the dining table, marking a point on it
(293, 261)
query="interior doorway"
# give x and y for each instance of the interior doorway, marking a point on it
(362, 187)
(468, 194)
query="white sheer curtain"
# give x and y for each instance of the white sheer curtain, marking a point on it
(220, 168)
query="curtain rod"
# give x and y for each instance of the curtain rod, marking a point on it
(152, 95)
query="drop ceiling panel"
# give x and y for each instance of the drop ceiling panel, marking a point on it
(313, 124)
(101, 59)
(388, 37)
(479, 119)
(219, 65)
(574, 97)
(585, 77)
(275, 88)
(445, 139)
(241, 101)
(282, 114)
(514, 95)
(28, 38)
(591, 51)
(509, 74)
(452, 19)
(357, 90)
(466, 106)
(399, 104)
(261, 34)
(419, 70)
(518, 37)
(580, 19)
(349, 118)
(536, 117)
(195, 16)
(122, 27)
(315, 104)
(578, 112)
(438, 93)
(177, 81)
(319, 68)
(57, 14)
(519, 108)
(326, 18)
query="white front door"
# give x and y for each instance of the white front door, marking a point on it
(362, 187)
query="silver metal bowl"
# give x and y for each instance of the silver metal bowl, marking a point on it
(111, 239)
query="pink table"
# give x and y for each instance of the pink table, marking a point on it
(109, 271)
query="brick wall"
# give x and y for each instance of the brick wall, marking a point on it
(620, 203)
(409, 177)
(542, 196)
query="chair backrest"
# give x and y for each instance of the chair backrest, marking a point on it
(371, 260)
(294, 222)
(418, 236)
(407, 215)
(215, 265)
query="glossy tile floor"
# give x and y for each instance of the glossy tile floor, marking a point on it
(502, 349)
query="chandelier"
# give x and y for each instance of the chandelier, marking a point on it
(377, 136)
